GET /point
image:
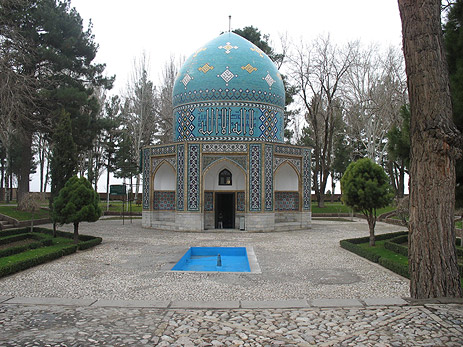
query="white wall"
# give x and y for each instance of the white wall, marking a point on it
(211, 178)
(165, 178)
(286, 179)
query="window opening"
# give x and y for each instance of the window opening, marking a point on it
(225, 178)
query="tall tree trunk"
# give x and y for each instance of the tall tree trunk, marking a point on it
(76, 232)
(107, 185)
(25, 167)
(432, 254)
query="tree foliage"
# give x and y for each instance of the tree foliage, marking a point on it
(365, 187)
(47, 57)
(77, 202)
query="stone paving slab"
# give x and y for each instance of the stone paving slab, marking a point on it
(385, 302)
(231, 304)
(50, 301)
(42, 325)
(336, 303)
(274, 304)
(131, 303)
(4, 298)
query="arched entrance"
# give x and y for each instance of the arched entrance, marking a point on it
(224, 191)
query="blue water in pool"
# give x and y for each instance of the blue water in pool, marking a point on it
(233, 259)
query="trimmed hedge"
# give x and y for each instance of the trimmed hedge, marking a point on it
(394, 266)
(395, 245)
(34, 260)
(37, 253)
(354, 248)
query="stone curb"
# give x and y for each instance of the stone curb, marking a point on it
(231, 304)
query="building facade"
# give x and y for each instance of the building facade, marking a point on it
(227, 166)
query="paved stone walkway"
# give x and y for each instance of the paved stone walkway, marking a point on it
(31, 324)
(310, 292)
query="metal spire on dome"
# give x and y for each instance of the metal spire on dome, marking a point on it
(229, 23)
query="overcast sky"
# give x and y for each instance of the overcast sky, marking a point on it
(125, 29)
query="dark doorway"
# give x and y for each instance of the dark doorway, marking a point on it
(225, 210)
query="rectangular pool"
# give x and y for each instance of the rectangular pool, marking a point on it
(232, 259)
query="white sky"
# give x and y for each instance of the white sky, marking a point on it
(125, 29)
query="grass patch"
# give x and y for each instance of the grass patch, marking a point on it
(13, 212)
(459, 224)
(338, 207)
(20, 257)
(389, 251)
(116, 206)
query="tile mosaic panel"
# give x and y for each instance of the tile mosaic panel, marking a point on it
(208, 160)
(268, 168)
(164, 200)
(146, 178)
(306, 180)
(225, 147)
(280, 160)
(208, 201)
(180, 177)
(228, 121)
(193, 177)
(255, 177)
(288, 150)
(287, 201)
(241, 201)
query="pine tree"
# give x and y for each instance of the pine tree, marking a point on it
(77, 202)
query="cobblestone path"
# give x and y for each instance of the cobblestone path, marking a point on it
(51, 325)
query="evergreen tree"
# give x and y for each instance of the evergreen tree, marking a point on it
(77, 202)
(49, 45)
(398, 148)
(64, 155)
(365, 187)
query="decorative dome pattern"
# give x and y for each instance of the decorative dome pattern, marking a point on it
(229, 90)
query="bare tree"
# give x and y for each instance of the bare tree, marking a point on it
(435, 146)
(374, 91)
(317, 72)
(140, 115)
(164, 96)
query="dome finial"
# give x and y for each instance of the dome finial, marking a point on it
(229, 23)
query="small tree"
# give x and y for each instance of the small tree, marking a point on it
(76, 202)
(30, 203)
(365, 187)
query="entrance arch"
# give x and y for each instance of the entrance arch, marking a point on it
(224, 190)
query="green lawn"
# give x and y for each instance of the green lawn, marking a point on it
(116, 206)
(13, 212)
(338, 207)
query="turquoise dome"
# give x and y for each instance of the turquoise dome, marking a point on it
(229, 90)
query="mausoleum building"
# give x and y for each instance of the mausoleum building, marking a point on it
(227, 166)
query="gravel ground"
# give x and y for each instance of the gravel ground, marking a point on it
(133, 262)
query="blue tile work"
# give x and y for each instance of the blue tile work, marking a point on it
(241, 201)
(279, 161)
(287, 201)
(180, 177)
(281, 149)
(255, 177)
(193, 177)
(146, 170)
(164, 200)
(306, 179)
(208, 160)
(208, 201)
(229, 90)
(228, 121)
(224, 147)
(268, 168)
(146, 178)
